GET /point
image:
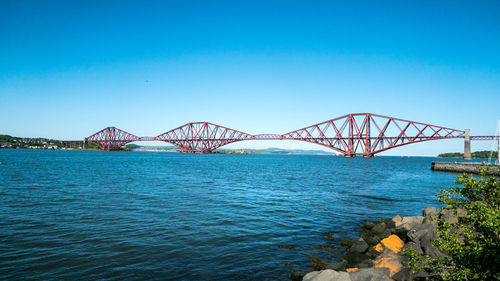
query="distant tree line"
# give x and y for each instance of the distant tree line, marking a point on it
(477, 154)
(7, 141)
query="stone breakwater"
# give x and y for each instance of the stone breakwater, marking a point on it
(463, 167)
(379, 253)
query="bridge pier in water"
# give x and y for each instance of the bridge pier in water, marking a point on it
(498, 151)
(467, 151)
(498, 139)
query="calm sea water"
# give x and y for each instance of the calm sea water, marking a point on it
(151, 215)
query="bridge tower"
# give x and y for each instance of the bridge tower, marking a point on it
(498, 139)
(467, 152)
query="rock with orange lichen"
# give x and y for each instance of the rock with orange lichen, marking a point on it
(389, 248)
(352, 269)
(389, 259)
(378, 255)
(393, 243)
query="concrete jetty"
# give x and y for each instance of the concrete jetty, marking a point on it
(462, 167)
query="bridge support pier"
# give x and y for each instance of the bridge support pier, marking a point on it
(368, 156)
(349, 155)
(498, 152)
(467, 153)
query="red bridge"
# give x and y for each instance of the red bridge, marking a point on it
(352, 134)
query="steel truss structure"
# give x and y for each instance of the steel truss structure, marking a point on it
(367, 134)
(111, 138)
(352, 134)
(202, 137)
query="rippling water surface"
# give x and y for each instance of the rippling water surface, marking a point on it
(150, 215)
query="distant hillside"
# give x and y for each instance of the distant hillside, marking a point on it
(477, 154)
(274, 150)
(134, 146)
(236, 151)
(7, 141)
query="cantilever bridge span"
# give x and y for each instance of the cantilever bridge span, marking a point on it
(352, 134)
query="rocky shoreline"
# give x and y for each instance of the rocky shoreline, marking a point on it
(379, 254)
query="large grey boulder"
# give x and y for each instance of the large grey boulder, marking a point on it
(429, 211)
(415, 246)
(389, 223)
(337, 265)
(428, 248)
(386, 233)
(358, 246)
(296, 275)
(461, 212)
(448, 216)
(353, 259)
(368, 225)
(451, 216)
(372, 253)
(370, 274)
(404, 274)
(371, 238)
(408, 223)
(396, 219)
(362, 274)
(420, 230)
(365, 264)
(327, 275)
(379, 228)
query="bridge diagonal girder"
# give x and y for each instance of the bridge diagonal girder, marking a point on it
(202, 136)
(368, 134)
(111, 138)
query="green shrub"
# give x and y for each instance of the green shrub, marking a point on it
(473, 244)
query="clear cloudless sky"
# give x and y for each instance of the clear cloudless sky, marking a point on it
(71, 68)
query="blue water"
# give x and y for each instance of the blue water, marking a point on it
(153, 215)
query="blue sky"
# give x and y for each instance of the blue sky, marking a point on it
(71, 68)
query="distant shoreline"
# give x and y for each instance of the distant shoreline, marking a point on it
(484, 154)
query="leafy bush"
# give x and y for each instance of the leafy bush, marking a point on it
(472, 244)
